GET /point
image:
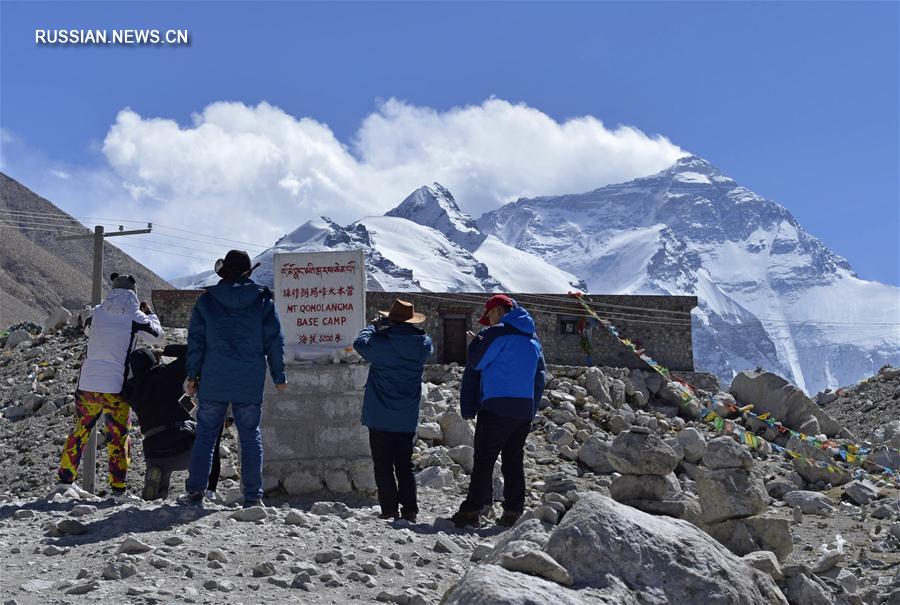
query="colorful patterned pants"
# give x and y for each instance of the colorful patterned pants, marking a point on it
(89, 407)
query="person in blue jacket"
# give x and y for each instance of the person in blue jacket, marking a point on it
(234, 331)
(502, 386)
(397, 349)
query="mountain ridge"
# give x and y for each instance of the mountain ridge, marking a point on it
(39, 273)
(770, 293)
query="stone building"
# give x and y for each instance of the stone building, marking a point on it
(659, 324)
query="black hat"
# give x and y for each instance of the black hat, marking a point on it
(125, 282)
(236, 264)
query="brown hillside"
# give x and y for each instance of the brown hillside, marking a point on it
(39, 273)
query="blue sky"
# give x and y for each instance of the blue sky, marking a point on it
(797, 101)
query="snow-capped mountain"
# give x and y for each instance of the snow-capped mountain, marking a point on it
(770, 293)
(435, 207)
(408, 255)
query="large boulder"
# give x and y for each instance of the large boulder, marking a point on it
(641, 392)
(862, 491)
(772, 394)
(456, 430)
(811, 470)
(743, 536)
(725, 452)
(643, 487)
(640, 452)
(731, 493)
(498, 586)
(680, 505)
(58, 319)
(887, 434)
(680, 397)
(597, 385)
(593, 455)
(810, 503)
(17, 337)
(660, 559)
(463, 455)
(806, 589)
(693, 444)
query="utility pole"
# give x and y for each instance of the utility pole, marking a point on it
(89, 456)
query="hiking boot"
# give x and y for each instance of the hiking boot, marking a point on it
(191, 499)
(508, 518)
(389, 515)
(151, 483)
(408, 515)
(465, 519)
(252, 503)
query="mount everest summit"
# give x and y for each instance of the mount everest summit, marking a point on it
(770, 294)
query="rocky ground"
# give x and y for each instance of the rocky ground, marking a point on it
(865, 406)
(624, 496)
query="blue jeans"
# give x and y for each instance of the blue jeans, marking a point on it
(210, 416)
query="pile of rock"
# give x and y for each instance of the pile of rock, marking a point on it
(732, 498)
(613, 554)
(647, 481)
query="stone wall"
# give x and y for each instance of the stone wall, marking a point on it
(174, 307)
(659, 323)
(312, 435)
(666, 336)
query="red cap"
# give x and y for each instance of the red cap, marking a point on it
(497, 300)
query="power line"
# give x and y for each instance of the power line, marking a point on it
(193, 249)
(4, 226)
(38, 223)
(51, 216)
(168, 252)
(223, 239)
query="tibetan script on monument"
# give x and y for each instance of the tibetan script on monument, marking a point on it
(321, 300)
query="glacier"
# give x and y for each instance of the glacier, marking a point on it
(769, 293)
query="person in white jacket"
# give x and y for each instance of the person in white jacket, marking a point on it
(113, 329)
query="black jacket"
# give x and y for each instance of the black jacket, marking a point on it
(153, 392)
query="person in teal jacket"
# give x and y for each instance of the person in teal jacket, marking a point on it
(397, 350)
(234, 331)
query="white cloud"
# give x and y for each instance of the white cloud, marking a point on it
(254, 173)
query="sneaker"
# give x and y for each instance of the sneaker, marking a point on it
(191, 499)
(121, 496)
(151, 483)
(252, 503)
(465, 519)
(73, 488)
(508, 518)
(390, 515)
(408, 516)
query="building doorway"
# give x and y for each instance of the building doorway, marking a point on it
(455, 339)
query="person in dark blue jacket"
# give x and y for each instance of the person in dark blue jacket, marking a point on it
(502, 386)
(234, 331)
(397, 350)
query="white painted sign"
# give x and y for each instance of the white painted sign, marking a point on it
(321, 300)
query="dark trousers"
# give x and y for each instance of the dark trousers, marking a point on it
(394, 478)
(497, 435)
(181, 462)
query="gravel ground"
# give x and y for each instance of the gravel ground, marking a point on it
(311, 550)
